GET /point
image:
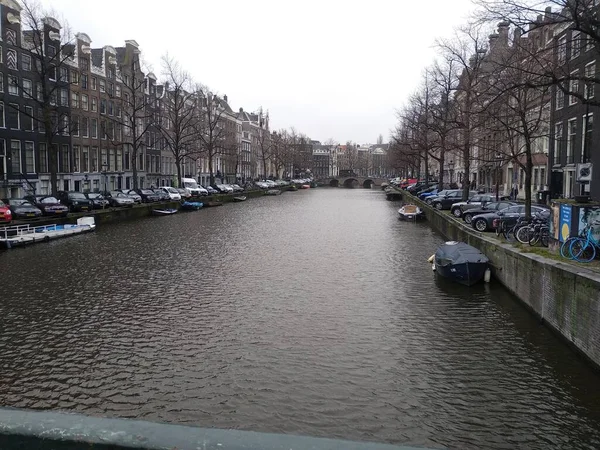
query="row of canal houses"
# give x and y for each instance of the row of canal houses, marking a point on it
(566, 144)
(87, 92)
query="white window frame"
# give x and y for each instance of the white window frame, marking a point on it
(29, 113)
(575, 44)
(584, 131)
(27, 92)
(13, 87)
(588, 87)
(32, 156)
(12, 159)
(571, 139)
(16, 108)
(2, 116)
(573, 87)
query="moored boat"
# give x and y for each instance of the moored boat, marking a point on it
(211, 204)
(164, 212)
(18, 235)
(292, 188)
(410, 212)
(305, 186)
(241, 198)
(460, 262)
(273, 192)
(191, 206)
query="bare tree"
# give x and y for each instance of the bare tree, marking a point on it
(281, 156)
(212, 133)
(178, 121)
(46, 105)
(265, 147)
(333, 147)
(467, 51)
(138, 108)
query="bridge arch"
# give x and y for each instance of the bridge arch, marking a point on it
(350, 183)
(334, 183)
(368, 183)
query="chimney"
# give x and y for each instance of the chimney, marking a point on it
(225, 98)
(493, 41)
(516, 36)
(503, 33)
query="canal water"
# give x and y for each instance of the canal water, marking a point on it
(310, 313)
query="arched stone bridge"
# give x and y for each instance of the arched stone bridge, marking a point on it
(354, 182)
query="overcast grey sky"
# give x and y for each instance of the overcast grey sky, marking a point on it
(331, 68)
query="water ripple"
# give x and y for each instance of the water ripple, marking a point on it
(313, 312)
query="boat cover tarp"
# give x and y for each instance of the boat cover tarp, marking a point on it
(458, 253)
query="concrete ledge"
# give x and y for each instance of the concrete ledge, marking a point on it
(40, 430)
(564, 296)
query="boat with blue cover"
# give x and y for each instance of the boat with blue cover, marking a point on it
(460, 262)
(191, 206)
(19, 235)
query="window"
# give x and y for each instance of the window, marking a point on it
(84, 81)
(542, 177)
(84, 126)
(102, 106)
(15, 156)
(85, 158)
(119, 160)
(29, 158)
(75, 125)
(94, 83)
(28, 119)
(589, 44)
(84, 102)
(111, 89)
(102, 86)
(13, 85)
(11, 59)
(586, 141)
(94, 128)
(26, 62)
(111, 108)
(573, 87)
(74, 77)
(2, 124)
(111, 73)
(66, 159)
(74, 100)
(558, 137)
(51, 50)
(561, 51)
(94, 159)
(94, 104)
(65, 127)
(53, 98)
(1, 79)
(27, 88)
(575, 44)
(571, 132)
(76, 165)
(43, 157)
(104, 160)
(64, 97)
(40, 92)
(118, 91)
(536, 174)
(103, 129)
(12, 116)
(84, 63)
(589, 74)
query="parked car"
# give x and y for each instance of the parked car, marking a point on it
(184, 193)
(76, 201)
(118, 199)
(172, 193)
(238, 188)
(49, 205)
(211, 190)
(97, 199)
(488, 221)
(5, 213)
(23, 209)
(147, 195)
(475, 201)
(468, 214)
(446, 201)
(137, 198)
(223, 189)
(442, 193)
(162, 195)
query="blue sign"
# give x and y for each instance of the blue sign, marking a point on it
(565, 222)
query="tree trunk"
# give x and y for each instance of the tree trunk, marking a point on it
(178, 166)
(426, 168)
(134, 169)
(466, 185)
(528, 170)
(53, 166)
(210, 168)
(442, 162)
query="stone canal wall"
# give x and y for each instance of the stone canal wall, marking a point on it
(564, 296)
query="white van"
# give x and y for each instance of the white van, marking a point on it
(190, 185)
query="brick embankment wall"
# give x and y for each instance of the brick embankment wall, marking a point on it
(564, 296)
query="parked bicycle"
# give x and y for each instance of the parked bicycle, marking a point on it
(582, 248)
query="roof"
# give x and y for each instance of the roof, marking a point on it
(97, 54)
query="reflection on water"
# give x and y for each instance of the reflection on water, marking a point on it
(314, 312)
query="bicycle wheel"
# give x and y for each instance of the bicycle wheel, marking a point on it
(545, 237)
(534, 237)
(583, 250)
(565, 248)
(523, 234)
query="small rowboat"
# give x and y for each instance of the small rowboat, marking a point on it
(241, 198)
(305, 186)
(164, 212)
(410, 212)
(211, 204)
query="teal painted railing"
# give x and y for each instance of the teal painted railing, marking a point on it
(43, 430)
